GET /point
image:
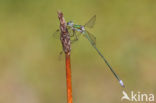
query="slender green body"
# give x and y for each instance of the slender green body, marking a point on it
(93, 44)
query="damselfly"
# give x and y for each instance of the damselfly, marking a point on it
(77, 30)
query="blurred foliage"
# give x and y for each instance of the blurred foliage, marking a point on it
(30, 71)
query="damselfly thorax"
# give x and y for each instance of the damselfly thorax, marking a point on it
(76, 27)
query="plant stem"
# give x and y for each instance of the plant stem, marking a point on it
(68, 77)
(65, 40)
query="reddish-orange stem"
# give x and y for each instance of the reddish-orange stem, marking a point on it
(68, 77)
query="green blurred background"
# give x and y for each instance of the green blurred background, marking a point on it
(31, 70)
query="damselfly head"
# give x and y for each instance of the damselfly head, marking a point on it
(70, 23)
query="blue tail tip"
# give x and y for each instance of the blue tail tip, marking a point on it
(121, 83)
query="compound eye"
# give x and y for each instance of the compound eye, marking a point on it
(68, 23)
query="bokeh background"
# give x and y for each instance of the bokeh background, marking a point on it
(31, 70)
